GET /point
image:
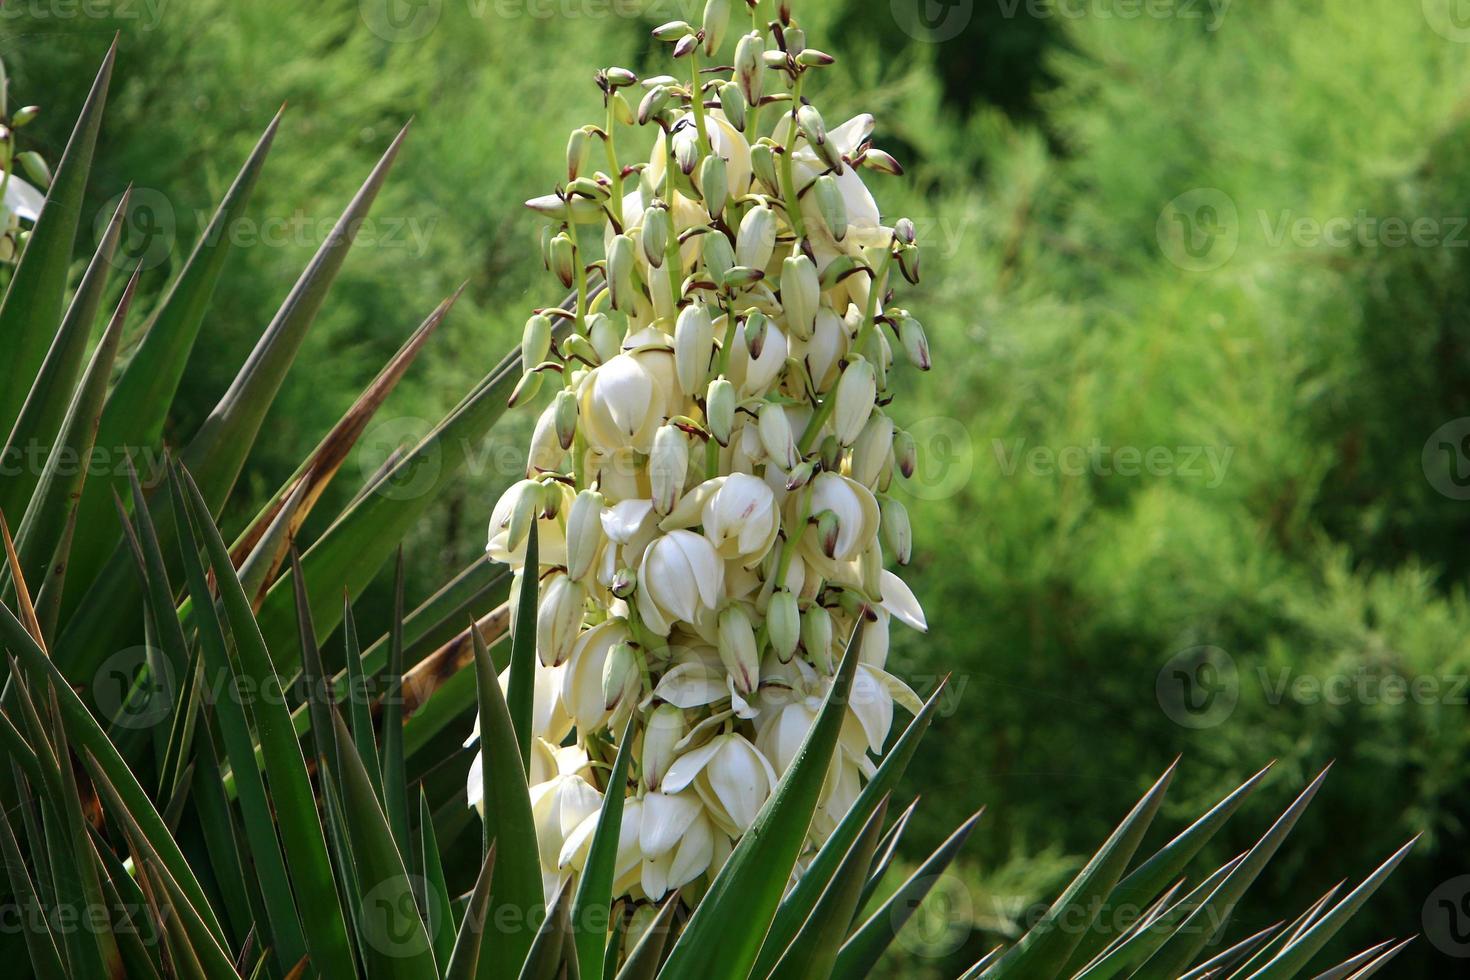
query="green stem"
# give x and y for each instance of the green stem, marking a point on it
(788, 177)
(696, 101)
(673, 260)
(614, 169)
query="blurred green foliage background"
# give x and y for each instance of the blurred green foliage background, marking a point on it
(1197, 279)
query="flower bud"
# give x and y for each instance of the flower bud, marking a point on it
(586, 187)
(857, 392)
(558, 618)
(741, 277)
(719, 409)
(584, 533)
(774, 59)
(757, 238)
(783, 624)
(685, 46)
(915, 343)
(749, 70)
(776, 437)
(622, 109)
(801, 475)
(719, 257)
(668, 465)
(801, 293)
(829, 530)
(882, 162)
(908, 263)
(810, 122)
(619, 674)
(656, 230)
(672, 31)
(714, 185)
(652, 104)
(565, 415)
(576, 153)
(694, 344)
(535, 341)
(686, 149)
(624, 582)
(816, 636)
(898, 535)
(872, 450)
(763, 165)
(904, 231)
(620, 264)
(756, 326)
(905, 454)
(732, 104)
(563, 259)
(563, 209)
(830, 452)
(738, 651)
(526, 388)
(551, 497)
(525, 503)
(666, 726)
(812, 58)
(831, 206)
(605, 333)
(577, 346)
(716, 20)
(620, 78)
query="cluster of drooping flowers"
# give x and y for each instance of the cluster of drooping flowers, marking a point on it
(709, 481)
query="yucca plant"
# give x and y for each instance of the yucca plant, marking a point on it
(227, 804)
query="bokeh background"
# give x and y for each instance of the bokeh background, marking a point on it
(1197, 441)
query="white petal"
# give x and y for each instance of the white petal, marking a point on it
(691, 685)
(899, 600)
(665, 819)
(689, 765)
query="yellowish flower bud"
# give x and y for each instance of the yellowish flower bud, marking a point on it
(714, 184)
(732, 104)
(620, 265)
(801, 292)
(716, 20)
(719, 257)
(737, 649)
(605, 332)
(666, 725)
(857, 391)
(584, 533)
(694, 344)
(915, 343)
(783, 624)
(619, 675)
(558, 618)
(831, 206)
(776, 437)
(757, 238)
(563, 259)
(668, 465)
(657, 226)
(905, 453)
(576, 153)
(720, 409)
(763, 165)
(565, 408)
(535, 341)
(816, 636)
(872, 450)
(749, 70)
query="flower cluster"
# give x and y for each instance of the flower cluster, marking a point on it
(709, 481)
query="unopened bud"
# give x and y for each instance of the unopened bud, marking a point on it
(915, 343)
(719, 407)
(741, 276)
(857, 392)
(757, 238)
(882, 162)
(812, 58)
(757, 324)
(905, 454)
(668, 464)
(558, 618)
(584, 533)
(666, 726)
(694, 343)
(576, 153)
(685, 45)
(563, 259)
(526, 505)
(566, 417)
(714, 184)
(872, 450)
(620, 265)
(732, 104)
(605, 334)
(716, 20)
(622, 109)
(578, 347)
(816, 636)
(619, 674)
(656, 222)
(763, 165)
(801, 475)
(809, 121)
(783, 624)
(801, 293)
(525, 389)
(904, 232)
(749, 69)
(620, 78)
(828, 531)
(686, 149)
(671, 31)
(719, 257)
(652, 104)
(624, 583)
(831, 206)
(830, 452)
(898, 535)
(588, 189)
(535, 341)
(776, 437)
(737, 649)
(908, 263)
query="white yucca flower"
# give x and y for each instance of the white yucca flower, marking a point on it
(709, 482)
